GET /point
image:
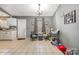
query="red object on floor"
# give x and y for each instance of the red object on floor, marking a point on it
(62, 48)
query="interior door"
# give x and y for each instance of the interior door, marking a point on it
(21, 28)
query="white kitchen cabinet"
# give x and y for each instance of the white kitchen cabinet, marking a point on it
(12, 21)
(8, 35)
(1, 35)
(4, 35)
(13, 35)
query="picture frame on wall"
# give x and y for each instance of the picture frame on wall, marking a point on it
(70, 17)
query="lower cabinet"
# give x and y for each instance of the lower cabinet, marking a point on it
(13, 35)
(8, 35)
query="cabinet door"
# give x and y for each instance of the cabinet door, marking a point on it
(4, 35)
(12, 21)
(13, 35)
(1, 35)
(8, 35)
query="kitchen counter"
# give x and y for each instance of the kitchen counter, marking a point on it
(8, 34)
(8, 30)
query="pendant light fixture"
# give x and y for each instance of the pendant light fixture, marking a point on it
(39, 11)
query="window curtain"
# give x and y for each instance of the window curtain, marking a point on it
(43, 26)
(35, 26)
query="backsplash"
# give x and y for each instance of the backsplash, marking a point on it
(4, 24)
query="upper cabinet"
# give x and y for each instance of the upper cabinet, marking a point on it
(11, 21)
(6, 21)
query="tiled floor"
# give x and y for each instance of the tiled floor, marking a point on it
(25, 47)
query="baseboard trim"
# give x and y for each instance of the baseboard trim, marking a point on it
(20, 38)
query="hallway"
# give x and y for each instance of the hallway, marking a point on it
(24, 47)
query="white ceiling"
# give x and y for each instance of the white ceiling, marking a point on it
(28, 9)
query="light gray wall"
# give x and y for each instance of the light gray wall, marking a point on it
(29, 25)
(69, 32)
(54, 21)
(31, 18)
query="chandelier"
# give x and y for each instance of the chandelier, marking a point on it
(39, 11)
